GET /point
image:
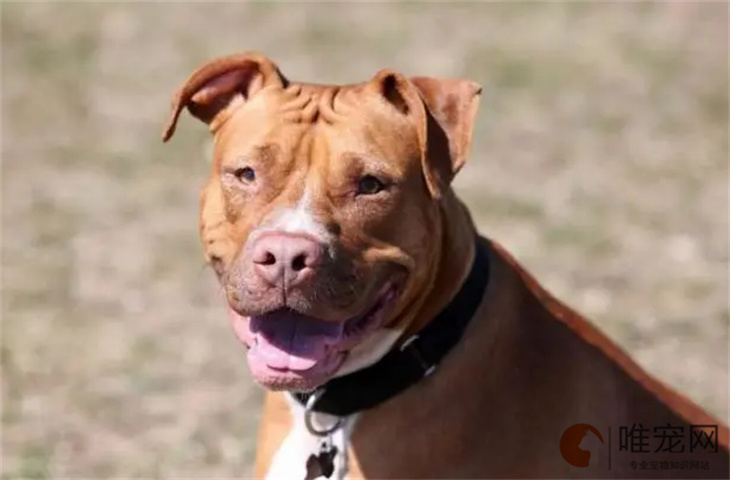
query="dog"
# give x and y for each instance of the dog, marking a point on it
(392, 339)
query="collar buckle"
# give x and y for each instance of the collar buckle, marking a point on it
(409, 347)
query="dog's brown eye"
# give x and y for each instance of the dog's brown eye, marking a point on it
(245, 174)
(369, 185)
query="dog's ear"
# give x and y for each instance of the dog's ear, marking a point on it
(211, 88)
(444, 111)
(451, 108)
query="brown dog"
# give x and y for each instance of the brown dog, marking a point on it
(395, 342)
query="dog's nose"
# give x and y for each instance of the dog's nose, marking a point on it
(284, 259)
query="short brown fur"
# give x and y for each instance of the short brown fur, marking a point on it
(528, 366)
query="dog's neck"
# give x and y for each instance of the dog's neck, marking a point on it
(454, 249)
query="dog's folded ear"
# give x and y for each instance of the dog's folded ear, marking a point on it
(212, 88)
(451, 108)
(444, 111)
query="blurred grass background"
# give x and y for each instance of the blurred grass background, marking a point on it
(600, 160)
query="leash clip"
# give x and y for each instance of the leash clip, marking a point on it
(309, 411)
(408, 346)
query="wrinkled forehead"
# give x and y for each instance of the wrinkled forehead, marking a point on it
(316, 120)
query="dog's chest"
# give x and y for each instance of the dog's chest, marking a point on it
(290, 460)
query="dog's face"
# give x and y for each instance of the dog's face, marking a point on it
(321, 214)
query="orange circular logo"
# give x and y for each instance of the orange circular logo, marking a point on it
(570, 444)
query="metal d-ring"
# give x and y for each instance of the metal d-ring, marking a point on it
(308, 416)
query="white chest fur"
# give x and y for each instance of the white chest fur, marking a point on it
(290, 460)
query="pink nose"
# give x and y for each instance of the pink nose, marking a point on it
(289, 259)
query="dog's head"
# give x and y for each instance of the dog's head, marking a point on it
(321, 212)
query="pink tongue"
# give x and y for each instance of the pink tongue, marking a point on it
(288, 340)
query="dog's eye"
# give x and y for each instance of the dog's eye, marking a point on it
(369, 185)
(245, 174)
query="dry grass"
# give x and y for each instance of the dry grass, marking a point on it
(601, 160)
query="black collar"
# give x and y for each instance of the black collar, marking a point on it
(416, 358)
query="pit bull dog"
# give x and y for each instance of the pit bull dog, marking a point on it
(393, 340)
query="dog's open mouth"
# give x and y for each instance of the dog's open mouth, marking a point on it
(292, 351)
